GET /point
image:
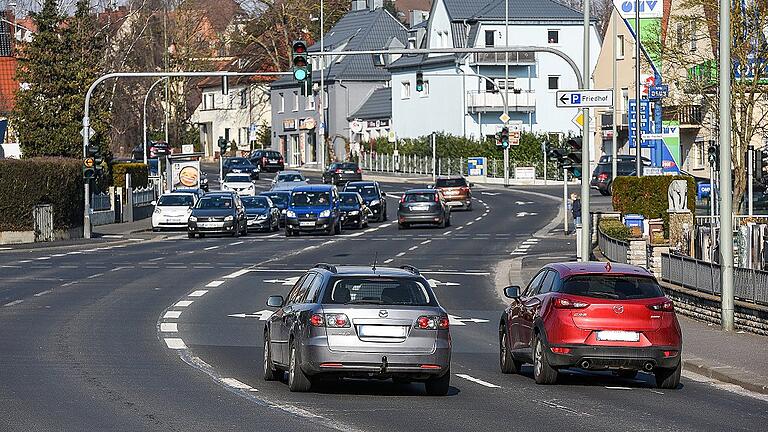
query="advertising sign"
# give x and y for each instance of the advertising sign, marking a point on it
(648, 8)
(476, 166)
(185, 174)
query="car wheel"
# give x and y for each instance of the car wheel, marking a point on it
(201, 235)
(543, 373)
(236, 232)
(245, 230)
(443, 223)
(384, 213)
(626, 373)
(469, 207)
(270, 373)
(668, 378)
(191, 235)
(439, 386)
(508, 363)
(288, 232)
(298, 381)
(448, 221)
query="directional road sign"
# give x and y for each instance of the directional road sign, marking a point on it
(504, 117)
(584, 98)
(91, 132)
(88, 162)
(658, 91)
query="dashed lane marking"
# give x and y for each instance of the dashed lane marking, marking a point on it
(44, 258)
(94, 276)
(24, 261)
(198, 293)
(169, 327)
(211, 248)
(156, 259)
(413, 248)
(236, 243)
(447, 232)
(42, 293)
(236, 274)
(214, 284)
(388, 261)
(184, 303)
(401, 254)
(477, 380)
(13, 303)
(172, 314)
(175, 343)
(479, 217)
(426, 242)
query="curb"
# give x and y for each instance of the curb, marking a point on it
(727, 374)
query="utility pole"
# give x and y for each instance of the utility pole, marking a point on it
(638, 145)
(726, 188)
(506, 88)
(750, 178)
(614, 138)
(146, 98)
(321, 105)
(565, 200)
(434, 157)
(586, 233)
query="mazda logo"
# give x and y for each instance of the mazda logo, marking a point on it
(383, 313)
(618, 309)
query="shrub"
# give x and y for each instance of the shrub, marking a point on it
(29, 182)
(615, 229)
(138, 171)
(648, 196)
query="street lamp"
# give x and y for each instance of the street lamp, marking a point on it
(146, 98)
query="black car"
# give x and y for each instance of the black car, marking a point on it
(261, 212)
(218, 213)
(625, 158)
(374, 198)
(602, 179)
(240, 165)
(268, 160)
(342, 172)
(423, 206)
(280, 200)
(354, 209)
(154, 149)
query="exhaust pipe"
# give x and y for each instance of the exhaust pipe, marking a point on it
(648, 366)
(585, 364)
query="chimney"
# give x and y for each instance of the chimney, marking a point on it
(358, 5)
(375, 4)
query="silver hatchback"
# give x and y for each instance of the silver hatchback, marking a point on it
(359, 322)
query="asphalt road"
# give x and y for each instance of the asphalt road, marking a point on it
(165, 333)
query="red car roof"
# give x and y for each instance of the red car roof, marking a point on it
(567, 269)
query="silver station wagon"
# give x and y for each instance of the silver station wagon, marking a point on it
(359, 322)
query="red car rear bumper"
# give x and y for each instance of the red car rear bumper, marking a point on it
(614, 357)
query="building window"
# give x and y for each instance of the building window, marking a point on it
(425, 91)
(490, 38)
(619, 47)
(244, 98)
(310, 105)
(624, 98)
(295, 101)
(490, 86)
(553, 82)
(553, 36)
(209, 101)
(405, 89)
(281, 102)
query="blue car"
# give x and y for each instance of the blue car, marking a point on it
(280, 199)
(354, 209)
(313, 209)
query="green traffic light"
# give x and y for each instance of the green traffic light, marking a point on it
(300, 74)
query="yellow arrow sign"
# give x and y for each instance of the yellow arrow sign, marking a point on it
(88, 162)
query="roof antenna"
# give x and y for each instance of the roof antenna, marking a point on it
(375, 259)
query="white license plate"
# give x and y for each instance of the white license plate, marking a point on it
(451, 192)
(349, 172)
(174, 220)
(273, 161)
(381, 331)
(210, 224)
(306, 224)
(236, 170)
(618, 335)
(455, 203)
(420, 208)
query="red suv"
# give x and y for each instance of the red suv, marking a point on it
(595, 316)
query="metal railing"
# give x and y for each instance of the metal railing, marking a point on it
(143, 196)
(499, 58)
(749, 284)
(613, 249)
(101, 202)
(524, 100)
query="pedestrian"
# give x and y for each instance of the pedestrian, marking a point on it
(576, 209)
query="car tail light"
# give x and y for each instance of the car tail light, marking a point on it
(429, 366)
(317, 320)
(560, 350)
(437, 199)
(564, 303)
(359, 171)
(432, 322)
(666, 306)
(336, 320)
(464, 189)
(402, 199)
(602, 176)
(338, 170)
(671, 353)
(331, 365)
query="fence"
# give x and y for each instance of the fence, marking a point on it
(100, 202)
(43, 222)
(613, 249)
(143, 196)
(749, 284)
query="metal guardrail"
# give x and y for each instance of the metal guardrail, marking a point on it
(101, 202)
(613, 249)
(412, 164)
(143, 196)
(749, 285)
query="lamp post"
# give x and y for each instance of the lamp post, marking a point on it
(146, 98)
(726, 188)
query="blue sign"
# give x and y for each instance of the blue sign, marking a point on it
(645, 120)
(703, 190)
(476, 166)
(658, 91)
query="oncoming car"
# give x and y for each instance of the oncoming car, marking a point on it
(360, 322)
(172, 210)
(240, 183)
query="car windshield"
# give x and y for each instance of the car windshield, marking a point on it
(419, 197)
(290, 177)
(349, 198)
(176, 200)
(239, 161)
(378, 291)
(237, 178)
(365, 191)
(278, 199)
(450, 182)
(215, 202)
(305, 199)
(255, 202)
(619, 287)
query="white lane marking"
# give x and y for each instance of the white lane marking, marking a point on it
(5, 248)
(94, 276)
(357, 234)
(172, 314)
(42, 293)
(470, 222)
(214, 284)
(524, 246)
(184, 303)
(69, 283)
(169, 327)
(447, 232)
(236, 243)
(479, 217)
(426, 242)
(211, 248)
(236, 274)
(518, 253)
(461, 227)
(135, 239)
(157, 259)
(58, 255)
(24, 261)
(388, 261)
(272, 236)
(531, 241)
(13, 303)
(618, 388)
(44, 258)
(74, 253)
(413, 248)
(237, 384)
(477, 381)
(112, 236)
(370, 230)
(198, 293)
(175, 343)
(401, 254)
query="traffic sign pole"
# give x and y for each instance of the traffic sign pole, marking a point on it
(586, 233)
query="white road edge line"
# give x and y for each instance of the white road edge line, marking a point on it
(237, 384)
(175, 343)
(477, 381)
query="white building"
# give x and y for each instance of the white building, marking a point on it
(458, 101)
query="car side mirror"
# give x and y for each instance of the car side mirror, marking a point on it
(471, 185)
(512, 292)
(275, 301)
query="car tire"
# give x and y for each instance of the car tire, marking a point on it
(604, 192)
(270, 372)
(338, 229)
(448, 221)
(361, 223)
(469, 207)
(507, 363)
(236, 232)
(191, 235)
(543, 373)
(439, 386)
(443, 223)
(668, 378)
(298, 381)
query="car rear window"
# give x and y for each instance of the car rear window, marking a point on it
(348, 166)
(619, 287)
(176, 200)
(451, 182)
(419, 197)
(378, 291)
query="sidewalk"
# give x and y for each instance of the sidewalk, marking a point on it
(123, 229)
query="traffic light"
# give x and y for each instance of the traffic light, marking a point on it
(504, 138)
(299, 61)
(713, 153)
(92, 164)
(574, 143)
(419, 81)
(761, 159)
(573, 163)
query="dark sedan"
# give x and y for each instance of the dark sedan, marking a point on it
(374, 198)
(218, 213)
(423, 206)
(262, 214)
(354, 209)
(240, 165)
(280, 199)
(339, 173)
(268, 160)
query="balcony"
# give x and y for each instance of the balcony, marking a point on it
(479, 101)
(498, 58)
(687, 115)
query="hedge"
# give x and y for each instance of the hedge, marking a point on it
(648, 196)
(29, 182)
(138, 171)
(615, 229)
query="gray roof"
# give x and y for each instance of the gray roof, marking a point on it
(492, 10)
(377, 106)
(422, 60)
(464, 9)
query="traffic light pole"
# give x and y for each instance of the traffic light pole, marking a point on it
(586, 232)
(146, 98)
(750, 178)
(726, 190)
(506, 90)
(638, 144)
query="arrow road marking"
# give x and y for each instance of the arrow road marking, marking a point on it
(286, 281)
(490, 193)
(477, 381)
(434, 283)
(459, 321)
(262, 315)
(523, 214)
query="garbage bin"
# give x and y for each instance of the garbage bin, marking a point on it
(656, 230)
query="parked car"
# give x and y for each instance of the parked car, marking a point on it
(456, 191)
(172, 210)
(593, 316)
(268, 160)
(423, 206)
(218, 213)
(354, 210)
(339, 173)
(240, 165)
(287, 180)
(625, 158)
(601, 176)
(359, 322)
(261, 212)
(280, 199)
(313, 209)
(240, 183)
(374, 198)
